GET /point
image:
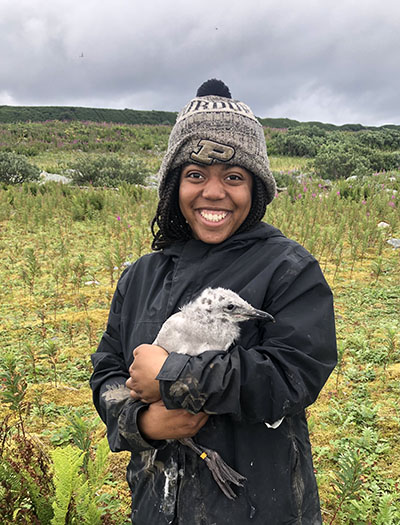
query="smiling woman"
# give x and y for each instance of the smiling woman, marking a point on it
(215, 200)
(247, 403)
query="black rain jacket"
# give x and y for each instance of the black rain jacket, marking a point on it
(273, 371)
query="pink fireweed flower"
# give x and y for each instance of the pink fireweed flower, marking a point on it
(364, 202)
(392, 204)
(313, 195)
(118, 218)
(338, 193)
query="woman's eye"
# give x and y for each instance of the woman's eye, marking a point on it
(194, 175)
(234, 177)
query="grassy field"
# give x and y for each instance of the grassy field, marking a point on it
(63, 249)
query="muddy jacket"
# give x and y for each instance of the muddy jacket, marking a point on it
(273, 371)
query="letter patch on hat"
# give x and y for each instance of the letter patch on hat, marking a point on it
(209, 151)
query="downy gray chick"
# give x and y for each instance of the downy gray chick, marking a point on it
(209, 322)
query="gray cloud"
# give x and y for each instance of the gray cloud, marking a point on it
(334, 61)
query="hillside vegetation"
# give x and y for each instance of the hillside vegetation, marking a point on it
(122, 116)
(9, 114)
(55, 145)
(63, 247)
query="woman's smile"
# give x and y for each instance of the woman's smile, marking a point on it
(213, 215)
(215, 200)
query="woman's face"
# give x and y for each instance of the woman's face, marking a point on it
(214, 200)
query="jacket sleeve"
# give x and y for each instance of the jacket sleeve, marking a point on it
(278, 377)
(110, 372)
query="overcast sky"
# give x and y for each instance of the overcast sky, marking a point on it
(334, 61)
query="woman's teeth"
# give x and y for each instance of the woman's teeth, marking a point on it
(214, 217)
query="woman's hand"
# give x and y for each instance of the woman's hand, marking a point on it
(148, 361)
(156, 422)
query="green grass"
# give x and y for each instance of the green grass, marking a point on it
(58, 162)
(62, 250)
(286, 164)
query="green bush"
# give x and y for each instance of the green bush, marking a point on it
(383, 160)
(340, 160)
(15, 169)
(85, 205)
(107, 170)
(386, 139)
(298, 142)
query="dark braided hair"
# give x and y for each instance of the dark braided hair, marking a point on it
(172, 225)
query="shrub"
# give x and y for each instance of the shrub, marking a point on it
(15, 169)
(85, 205)
(384, 160)
(386, 139)
(299, 142)
(107, 170)
(371, 139)
(340, 160)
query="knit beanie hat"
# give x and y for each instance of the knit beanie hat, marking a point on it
(212, 128)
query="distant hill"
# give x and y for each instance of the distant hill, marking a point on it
(280, 123)
(12, 114)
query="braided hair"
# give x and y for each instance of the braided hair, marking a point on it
(171, 223)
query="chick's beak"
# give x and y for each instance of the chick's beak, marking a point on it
(259, 314)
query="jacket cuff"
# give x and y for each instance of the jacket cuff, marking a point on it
(172, 367)
(129, 430)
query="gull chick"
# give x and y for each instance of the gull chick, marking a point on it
(209, 322)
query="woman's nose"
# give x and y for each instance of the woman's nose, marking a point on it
(213, 189)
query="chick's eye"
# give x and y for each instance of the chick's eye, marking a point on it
(230, 307)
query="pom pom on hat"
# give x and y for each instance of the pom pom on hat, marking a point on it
(214, 87)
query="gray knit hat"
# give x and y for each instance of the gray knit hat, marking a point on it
(215, 128)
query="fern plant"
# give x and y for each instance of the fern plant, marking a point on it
(81, 434)
(388, 513)
(67, 462)
(97, 467)
(348, 479)
(87, 500)
(76, 490)
(87, 511)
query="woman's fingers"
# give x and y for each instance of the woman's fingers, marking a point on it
(159, 423)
